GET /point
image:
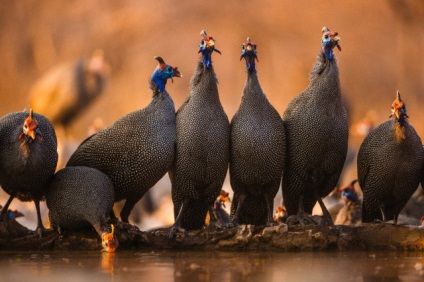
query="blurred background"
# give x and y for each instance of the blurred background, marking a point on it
(382, 51)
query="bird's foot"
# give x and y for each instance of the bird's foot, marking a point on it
(300, 220)
(326, 221)
(230, 225)
(271, 224)
(40, 230)
(174, 230)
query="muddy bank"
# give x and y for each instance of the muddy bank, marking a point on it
(14, 236)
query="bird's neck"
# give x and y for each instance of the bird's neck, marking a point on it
(204, 84)
(325, 77)
(399, 131)
(252, 89)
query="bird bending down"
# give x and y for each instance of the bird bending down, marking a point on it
(258, 145)
(81, 196)
(317, 134)
(351, 212)
(202, 149)
(220, 216)
(28, 159)
(137, 150)
(390, 162)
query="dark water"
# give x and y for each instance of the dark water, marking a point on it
(211, 266)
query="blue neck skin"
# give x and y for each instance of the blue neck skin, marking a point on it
(327, 49)
(207, 54)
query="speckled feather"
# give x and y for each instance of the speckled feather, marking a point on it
(135, 152)
(27, 176)
(257, 153)
(78, 197)
(388, 172)
(317, 134)
(203, 149)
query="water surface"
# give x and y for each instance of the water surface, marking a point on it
(160, 266)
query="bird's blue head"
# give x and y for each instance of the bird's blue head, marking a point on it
(350, 195)
(329, 41)
(162, 73)
(248, 52)
(348, 192)
(206, 48)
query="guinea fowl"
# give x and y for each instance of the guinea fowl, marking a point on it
(317, 134)
(203, 147)
(28, 158)
(65, 91)
(81, 196)
(220, 214)
(390, 162)
(351, 212)
(138, 149)
(257, 151)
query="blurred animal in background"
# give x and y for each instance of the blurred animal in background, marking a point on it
(364, 126)
(351, 212)
(81, 196)
(220, 216)
(317, 135)
(96, 126)
(66, 90)
(280, 215)
(138, 149)
(415, 206)
(258, 146)
(12, 214)
(28, 159)
(390, 165)
(202, 150)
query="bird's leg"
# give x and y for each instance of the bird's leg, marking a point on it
(301, 211)
(235, 220)
(299, 216)
(128, 206)
(40, 227)
(212, 215)
(4, 214)
(396, 218)
(328, 221)
(383, 215)
(112, 216)
(269, 207)
(177, 224)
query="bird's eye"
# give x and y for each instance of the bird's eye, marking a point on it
(106, 244)
(25, 126)
(326, 36)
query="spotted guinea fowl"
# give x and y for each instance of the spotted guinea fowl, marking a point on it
(203, 147)
(257, 150)
(138, 149)
(390, 162)
(66, 90)
(79, 197)
(317, 134)
(351, 212)
(28, 158)
(220, 214)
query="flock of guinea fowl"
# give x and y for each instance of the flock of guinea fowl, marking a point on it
(303, 152)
